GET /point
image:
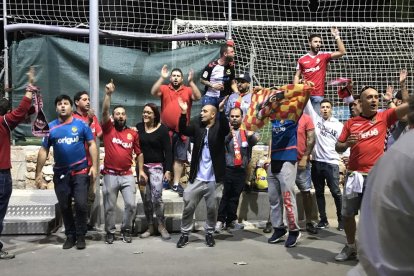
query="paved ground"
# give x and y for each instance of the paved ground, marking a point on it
(42, 255)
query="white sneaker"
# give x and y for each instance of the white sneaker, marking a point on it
(219, 227)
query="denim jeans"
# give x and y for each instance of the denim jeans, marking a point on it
(5, 193)
(234, 181)
(321, 172)
(211, 100)
(69, 186)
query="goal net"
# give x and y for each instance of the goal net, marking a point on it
(269, 35)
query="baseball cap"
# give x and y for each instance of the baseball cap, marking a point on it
(245, 76)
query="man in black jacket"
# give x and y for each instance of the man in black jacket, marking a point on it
(207, 166)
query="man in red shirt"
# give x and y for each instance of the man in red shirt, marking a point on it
(120, 143)
(85, 113)
(170, 113)
(365, 135)
(305, 144)
(8, 121)
(313, 65)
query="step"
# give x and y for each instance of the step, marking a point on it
(30, 225)
(32, 212)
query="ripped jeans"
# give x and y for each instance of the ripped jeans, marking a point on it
(152, 193)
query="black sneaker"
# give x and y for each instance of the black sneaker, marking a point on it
(310, 228)
(268, 228)
(110, 237)
(178, 189)
(278, 234)
(80, 242)
(292, 239)
(126, 236)
(69, 242)
(183, 241)
(322, 224)
(4, 255)
(340, 225)
(210, 240)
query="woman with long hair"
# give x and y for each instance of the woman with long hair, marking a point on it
(156, 147)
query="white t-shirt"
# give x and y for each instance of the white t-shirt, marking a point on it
(327, 134)
(205, 168)
(216, 77)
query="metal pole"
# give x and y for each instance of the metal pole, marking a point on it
(94, 89)
(251, 69)
(230, 23)
(6, 52)
(174, 32)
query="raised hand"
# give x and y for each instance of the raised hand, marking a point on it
(164, 71)
(388, 93)
(31, 75)
(335, 32)
(183, 105)
(403, 75)
(223, 103)
(190, 75)
(110, 87)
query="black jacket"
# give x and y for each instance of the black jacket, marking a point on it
(216, 136)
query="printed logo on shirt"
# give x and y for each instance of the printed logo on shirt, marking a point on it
(129, 136)
(74, 130)
(205, 74)
(313, 69)
(278, 129)
(318, 60)
(306, 62)
(325, 131)
(228, 72)
(68, 140)
(122, 143)
(368, 134)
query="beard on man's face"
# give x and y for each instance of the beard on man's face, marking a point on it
(229, 59)
(119, 125)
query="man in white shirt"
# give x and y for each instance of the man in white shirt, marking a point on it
(325, 164)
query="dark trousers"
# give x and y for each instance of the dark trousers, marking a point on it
(5, 193)
(234, 181)
(69, 186)
(321, 172)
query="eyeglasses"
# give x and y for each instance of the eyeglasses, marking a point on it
(147, 112)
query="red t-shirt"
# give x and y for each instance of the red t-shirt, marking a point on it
(305, 124)
(119, 146)
(370, 145)
(170, 110)
(313, 69)
(95, 126)
(96, 131)
(8, 122)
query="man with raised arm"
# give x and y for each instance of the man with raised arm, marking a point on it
(208, 165)
(8, 121)
(120, 143)
(325, 163)
(219, 77)
(170, 112)
(365, 135)
(68, 136)
(313, 65)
